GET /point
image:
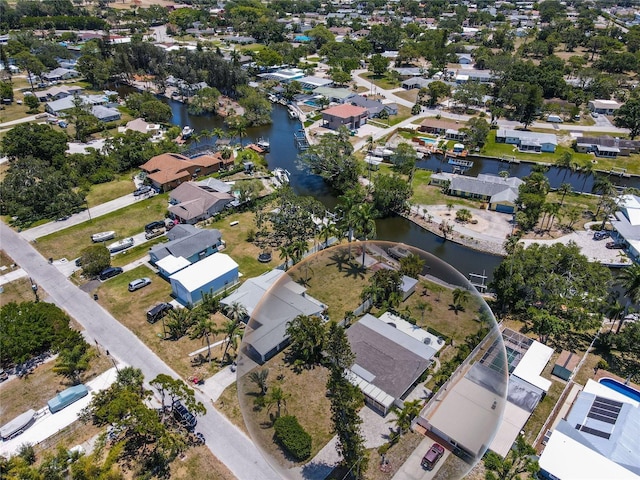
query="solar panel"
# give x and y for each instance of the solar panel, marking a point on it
(593, 431)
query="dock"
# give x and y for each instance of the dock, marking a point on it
(300, 138)
(458, 162)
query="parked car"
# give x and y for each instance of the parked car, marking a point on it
(159, 311)
(601, 235)
(62, 124)
(143, 190)
(614, 245)
(594, 114)
(139, 283)
(432, 457)
(184, 416)
(150, 227)
(110, 272)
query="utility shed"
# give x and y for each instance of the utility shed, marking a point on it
(565, 365)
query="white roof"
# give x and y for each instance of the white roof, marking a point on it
(369, 389)
(413, 330)
(513, 419)
(171, 264)
(568, 459)
(202, 272)
(532, 363)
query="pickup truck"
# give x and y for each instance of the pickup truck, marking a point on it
(156, 232)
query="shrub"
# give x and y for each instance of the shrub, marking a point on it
(292, 437)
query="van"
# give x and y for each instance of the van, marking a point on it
(107, 273)
(554, 119)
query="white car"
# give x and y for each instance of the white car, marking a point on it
(138, 283)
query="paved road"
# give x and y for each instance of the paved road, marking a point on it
(226, 441)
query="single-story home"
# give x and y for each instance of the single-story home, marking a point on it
(443, 126)
(500, 193)
(601, 145)
(59, 73)
(408, 72)
(105, 114)
(415, 82)
(191, 204)
(605, 107)
(472, 75)
(390, 356)
(351, 116)
(464, 59)
(57, 92)
(374, 107)
(266, 334)
(285, 75)
(56, 107)
(212, 275)
(335, 95)
(186, 241)
(310, 83)
(627, 224)
(168, 170)
(530, 142)
(142, 126)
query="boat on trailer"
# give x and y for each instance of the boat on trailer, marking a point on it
(121, 245)
(103, 236)
(18, 425)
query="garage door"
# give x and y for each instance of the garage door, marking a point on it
(504, 208)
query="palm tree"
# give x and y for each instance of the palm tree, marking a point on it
(346, 207)
(259, 377)
(204, 329)
(235, 56)
(365, 224)
(554, 209)
(278, 398)
(563, 190)
(239, 130)
(218, 133)
(404, 417)
(72, 362)
(613, 312)
(460, 297)
(423, 307)
(286, 251)
(586, 171)
(328, 230)
(629, 280)
(179, 321)
(564, 162)
(236, 312)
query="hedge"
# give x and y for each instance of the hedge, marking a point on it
(292, 437)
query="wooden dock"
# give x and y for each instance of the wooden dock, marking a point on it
(300, 138)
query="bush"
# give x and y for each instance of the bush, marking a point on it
(292, 437)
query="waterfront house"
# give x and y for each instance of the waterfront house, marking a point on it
(529, 142)
(168, 170)
(374, 107)
(627, 224)
(351, 116)
(310, 83)
(499, 193)
(191, 204)
(335, 95)
(105, 114)
(443, 126)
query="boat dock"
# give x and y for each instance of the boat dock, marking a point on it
(300, 138)
(458, 162)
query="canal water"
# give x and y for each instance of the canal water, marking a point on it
(284, 154)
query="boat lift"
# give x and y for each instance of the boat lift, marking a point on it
(479, 281)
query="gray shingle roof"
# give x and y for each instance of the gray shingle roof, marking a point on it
(189, 245)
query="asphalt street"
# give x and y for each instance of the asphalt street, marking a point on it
(225, 440)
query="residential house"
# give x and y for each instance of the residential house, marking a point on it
(443, 126)
(408, 72)
(105, 114)
(596, 438)
(57, 92)
(168, 170)
(415, 82)
(187, 242)
(335, 95)
(530, 142)
(607, 146)
(374, 107)
(464, 59)
(285, 75)
(500, 193)
(142, 126)
(239, 40)
(59, 73)
(472, 75)
(191, 204)
(56, 107)
(604, 107)
(270, 313)
(212, 275)
(310, 83)
(627, 224)
(351, 116)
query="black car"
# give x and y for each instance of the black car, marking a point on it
(150, 227)
(143, 190)
(107, 273)
(159, 311)
(184, 416)
(601, 235)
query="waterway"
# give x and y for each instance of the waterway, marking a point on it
(284, 154)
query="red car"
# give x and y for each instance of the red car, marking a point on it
(432, 457)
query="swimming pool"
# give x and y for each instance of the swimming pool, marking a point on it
(432, 141)
(625, 390)
(311, 103)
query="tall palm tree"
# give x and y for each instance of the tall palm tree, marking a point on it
(278, 398)
(259, 377)
(629, 280)
(236, 312)
(586, 171)
(563, 190)
(613, 311)
(554, 209)
(328, 230)
(286, 252)
(218, 133)
(564, 162)
(404, 417)
(346, 208)
(365, 224)
(460, 297)
(298, 249)
(204, 328)
(240, 130)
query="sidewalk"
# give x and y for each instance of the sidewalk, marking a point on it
(11, 276)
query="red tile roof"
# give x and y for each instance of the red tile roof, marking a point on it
(345, 111)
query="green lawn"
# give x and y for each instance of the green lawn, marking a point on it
(410, 95)
(403, 114)
(103, 192)
(386, 81)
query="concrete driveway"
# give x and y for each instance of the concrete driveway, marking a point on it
(412, 469)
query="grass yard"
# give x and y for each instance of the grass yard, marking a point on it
(127, 221)
(19, 291)
(435, 309)
(9, 113)
(386, 81)
(200, 463)
(18, 395)
(334, 279)
(403, 114)
(103, 192)
(135, 253)
(307, 401)
(543, 410)
(228, 404)
(410, 95)
(130, 309)
(425, 194)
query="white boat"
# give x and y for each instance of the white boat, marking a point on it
(281, 175)
(103, 236)
(187, 131)
(293, 115)
(18, 425)
(121, 245)
(264, 144)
